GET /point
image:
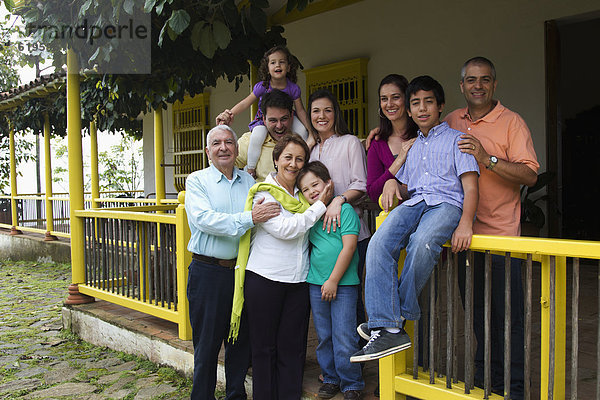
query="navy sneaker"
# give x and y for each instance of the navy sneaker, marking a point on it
(352, 395)
(381, 344)
(328, 390)
(364, 331)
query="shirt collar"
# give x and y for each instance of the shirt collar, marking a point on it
(218, 175)
(270, 139)
(490, 117)
(435, 131)
(271, 179)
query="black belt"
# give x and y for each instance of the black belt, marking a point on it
(213, 260)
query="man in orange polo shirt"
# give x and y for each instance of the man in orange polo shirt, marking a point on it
(501, 143)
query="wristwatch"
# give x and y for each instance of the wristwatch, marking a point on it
(343, 198)
(493, 162)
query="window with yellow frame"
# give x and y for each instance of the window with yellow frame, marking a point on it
(190, 126)
(347, 80)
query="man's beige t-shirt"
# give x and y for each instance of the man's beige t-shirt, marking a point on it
(265, 165)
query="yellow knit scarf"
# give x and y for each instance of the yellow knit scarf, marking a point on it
(289, 203)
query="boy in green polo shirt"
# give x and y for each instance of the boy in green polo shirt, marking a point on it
(333, 287)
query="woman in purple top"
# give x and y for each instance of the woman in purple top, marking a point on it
(396, 133)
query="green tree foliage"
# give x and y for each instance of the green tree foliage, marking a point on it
(193, 43)
(120, 168)
(10, 61)
(23, 153)
(10, 58)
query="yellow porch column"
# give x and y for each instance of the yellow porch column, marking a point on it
(560, 327)
(184, 258)
(76, 201)
(48, 179)
(13, 183)
(159, 152)
(94, 164)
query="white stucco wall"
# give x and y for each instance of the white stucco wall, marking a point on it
(149, 180)
(435, 38)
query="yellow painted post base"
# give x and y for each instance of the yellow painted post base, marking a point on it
(49, 237)
(77, 298)
(15, 231)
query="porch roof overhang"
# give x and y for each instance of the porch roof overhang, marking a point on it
(39, 87)
(278, 15)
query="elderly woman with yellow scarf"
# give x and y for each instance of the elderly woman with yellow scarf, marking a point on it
(271, 280)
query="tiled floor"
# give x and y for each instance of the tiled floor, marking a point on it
(588, 327)
(165, 330)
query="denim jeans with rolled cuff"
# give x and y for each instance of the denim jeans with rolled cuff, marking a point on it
(422, 230)
(335, 323)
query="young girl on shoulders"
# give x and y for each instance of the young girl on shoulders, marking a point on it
(277, 71)
(333, 287)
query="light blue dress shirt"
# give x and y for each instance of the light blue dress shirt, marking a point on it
(215, 211)
(433, 168)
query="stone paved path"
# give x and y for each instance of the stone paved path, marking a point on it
(40, 361)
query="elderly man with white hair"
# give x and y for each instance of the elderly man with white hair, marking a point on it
(214, 203)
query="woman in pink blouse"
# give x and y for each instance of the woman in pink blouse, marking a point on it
(344, 156)
(396, 133)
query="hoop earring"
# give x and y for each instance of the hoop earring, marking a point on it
(381, 116)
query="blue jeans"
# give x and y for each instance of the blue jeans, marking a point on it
(337, 345)
(210, 295)
(422, 230)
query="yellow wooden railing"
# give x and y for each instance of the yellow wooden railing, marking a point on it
(396, 371)
(49, 215)
(135, 258)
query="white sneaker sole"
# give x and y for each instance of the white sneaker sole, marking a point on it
(362, 333)
(381, 354)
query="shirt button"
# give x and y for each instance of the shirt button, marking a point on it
(468, 129)
(426, 143)
(426, 173)
(424, 158)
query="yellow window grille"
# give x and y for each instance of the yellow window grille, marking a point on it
(190, 125)
(347, 80)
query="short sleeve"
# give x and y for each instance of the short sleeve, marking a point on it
(463, 162)
(350, 224)
(520, 147)
(294, 90)
(259, 89)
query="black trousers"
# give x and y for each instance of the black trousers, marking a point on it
(360, 305)
(278, 320)
(497, 321)
(210, 295)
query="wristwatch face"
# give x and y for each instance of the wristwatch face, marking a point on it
(494, 159)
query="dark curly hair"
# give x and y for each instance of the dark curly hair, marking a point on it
(263, 69)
